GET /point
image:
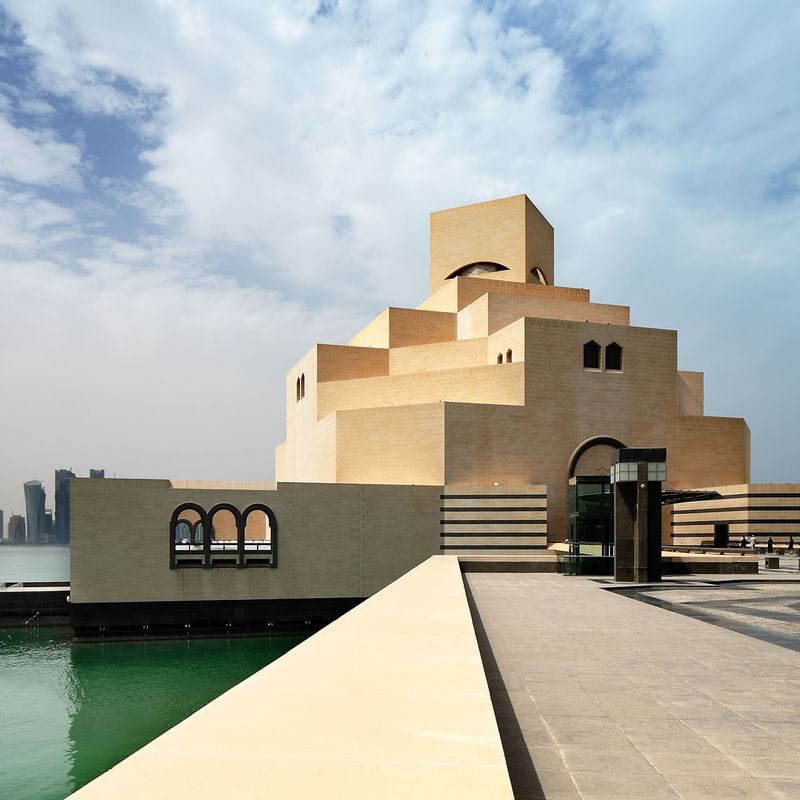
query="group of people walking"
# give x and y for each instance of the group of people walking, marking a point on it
(750, 541)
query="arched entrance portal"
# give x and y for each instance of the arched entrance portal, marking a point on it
(591, 506)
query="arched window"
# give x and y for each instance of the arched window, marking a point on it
(614, 357)
(183, 532)
(508, 356)
(499, 358)
(260, 537)
(303, 385)
(297, 391)
(591, 355)
(223, 527)
(186, 536)
(476, 269)
(256, 528)
(538, 276)
(223, 536)
(187, 527)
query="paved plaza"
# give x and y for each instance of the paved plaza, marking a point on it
(604, 697)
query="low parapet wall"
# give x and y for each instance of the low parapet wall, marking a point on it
(389, 701)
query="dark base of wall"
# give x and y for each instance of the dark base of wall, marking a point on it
(32, 606)
(206, 618)
(699, 568)
(469, 564)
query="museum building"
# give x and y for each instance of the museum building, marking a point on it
(483, 423)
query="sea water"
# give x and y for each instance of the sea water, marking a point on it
(69, 712)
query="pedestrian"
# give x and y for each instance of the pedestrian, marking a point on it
(743, 542)
(752, 541)
(790, 548)
(770, 545)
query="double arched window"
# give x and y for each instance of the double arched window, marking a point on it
(300, 388)
(223, 536)
(613, 359)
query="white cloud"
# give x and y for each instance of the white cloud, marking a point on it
(302, 156)
(144, 373)
(37, 157)
(30, 223)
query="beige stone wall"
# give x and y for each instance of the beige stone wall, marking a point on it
(483, 433)
(402, 327)
(764, 510)
(491, 312)
(539, 244)
(596, 461)
(484, 444)
(510, 231)
(690, 393)
(304, 456)
(445, 298)
(499, 519)
(477, 384)
(511, 338)
(392, 445)
(566, 404)
(710, 446)
(341, 362)
(334, 540)
(448, 412)
(458, 293)
(375, 334)
(473, 320)
(432, 357)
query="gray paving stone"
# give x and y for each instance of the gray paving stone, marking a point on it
(607, 785)
(697, 787)
(621, 700)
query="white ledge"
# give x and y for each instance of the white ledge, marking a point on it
(389, 701)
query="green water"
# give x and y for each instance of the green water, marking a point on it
(68, 712)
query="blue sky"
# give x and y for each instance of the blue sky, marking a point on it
(191, 195)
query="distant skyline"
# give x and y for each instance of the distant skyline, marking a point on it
(191, 196)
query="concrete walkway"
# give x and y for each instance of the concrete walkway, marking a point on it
(600, 696)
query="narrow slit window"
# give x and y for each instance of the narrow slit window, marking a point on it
(303, 385)
(297, 391)
(509, 357)
(499, 358)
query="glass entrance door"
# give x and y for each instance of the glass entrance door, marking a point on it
(591, 525)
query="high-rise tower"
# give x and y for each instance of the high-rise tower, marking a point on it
(34, 511)
(16, 529)
(62, 504)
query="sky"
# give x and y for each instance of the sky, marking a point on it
(193, 194)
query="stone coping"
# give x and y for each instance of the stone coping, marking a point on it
(389, 701)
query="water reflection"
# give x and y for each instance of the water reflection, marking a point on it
(68, 712)
(34, 713)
